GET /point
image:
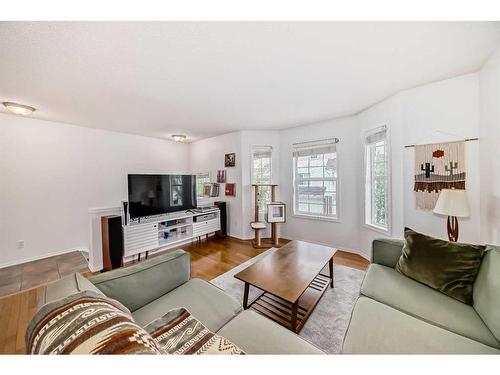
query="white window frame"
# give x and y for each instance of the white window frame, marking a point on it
(253, 150)
(261, 148)
(368, 181)
(332, 142)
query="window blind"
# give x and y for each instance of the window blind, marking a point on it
(314, 148)
(376, 135)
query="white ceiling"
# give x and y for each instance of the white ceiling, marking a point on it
(208, 78)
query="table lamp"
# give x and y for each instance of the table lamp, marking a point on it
(452, 202)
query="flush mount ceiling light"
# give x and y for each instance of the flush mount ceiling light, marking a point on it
(18, 109)
(179, 137)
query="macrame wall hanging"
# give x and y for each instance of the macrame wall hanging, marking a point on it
(438, 166)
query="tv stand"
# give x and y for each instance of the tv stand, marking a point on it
(169, 230)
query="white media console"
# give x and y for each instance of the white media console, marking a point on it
(165, 231)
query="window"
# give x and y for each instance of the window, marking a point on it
(262, 173)
(377, 180)
(262, 163)
(315, 179)
(201, 180)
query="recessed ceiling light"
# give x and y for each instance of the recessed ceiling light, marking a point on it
(18, 109)
(179, 137)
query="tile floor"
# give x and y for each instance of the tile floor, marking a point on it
(29, 275)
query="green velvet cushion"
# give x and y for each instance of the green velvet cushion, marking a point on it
(449, 267)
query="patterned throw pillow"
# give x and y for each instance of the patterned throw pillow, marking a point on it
(87, 323)
(178, 332)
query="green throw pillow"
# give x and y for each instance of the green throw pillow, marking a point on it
(449, 267)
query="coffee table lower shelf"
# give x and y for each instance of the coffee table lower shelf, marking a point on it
(280, 310)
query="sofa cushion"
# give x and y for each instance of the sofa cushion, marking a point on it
(386, 285)
(256, 334)
(487, 290)
(209, 304)
(376, 328)
(141, 283)
(65, 287)
(449, 267)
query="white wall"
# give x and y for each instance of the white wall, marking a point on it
(443, 111)
(344, 233)
(489, 134)
(439, 112)
(52, 173)
(207, 155)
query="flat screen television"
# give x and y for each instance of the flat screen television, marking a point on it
(150, 194)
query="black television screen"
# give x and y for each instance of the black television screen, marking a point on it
(150, 194)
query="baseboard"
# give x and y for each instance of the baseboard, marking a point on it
(343, 248)
(38, 257)
(239, 237)
(358, 252)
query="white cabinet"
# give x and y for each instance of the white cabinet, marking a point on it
(140, 238)
(205, 227)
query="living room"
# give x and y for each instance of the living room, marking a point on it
(277, 187)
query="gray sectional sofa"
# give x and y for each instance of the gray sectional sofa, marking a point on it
(397, 315)
(153, 287)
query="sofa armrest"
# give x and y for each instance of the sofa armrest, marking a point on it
(386, 251)
(66, 287)
(137, 285)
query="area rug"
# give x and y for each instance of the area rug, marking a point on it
(328, 323)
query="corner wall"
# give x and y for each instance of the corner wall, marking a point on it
(442, 111)
(250, 139)
(344, 232)
(489, 139)
(207, 155)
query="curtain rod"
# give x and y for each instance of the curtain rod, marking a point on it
(334, 140)
(463, 140)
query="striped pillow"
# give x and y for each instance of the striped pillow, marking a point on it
(179, 332)
(87, 323)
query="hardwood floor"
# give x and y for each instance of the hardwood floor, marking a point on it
(208, 260)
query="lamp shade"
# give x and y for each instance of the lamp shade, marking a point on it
(452, 202)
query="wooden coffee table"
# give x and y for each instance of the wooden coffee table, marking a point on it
(291, 282)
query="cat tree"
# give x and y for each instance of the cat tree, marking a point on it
(275, 214)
